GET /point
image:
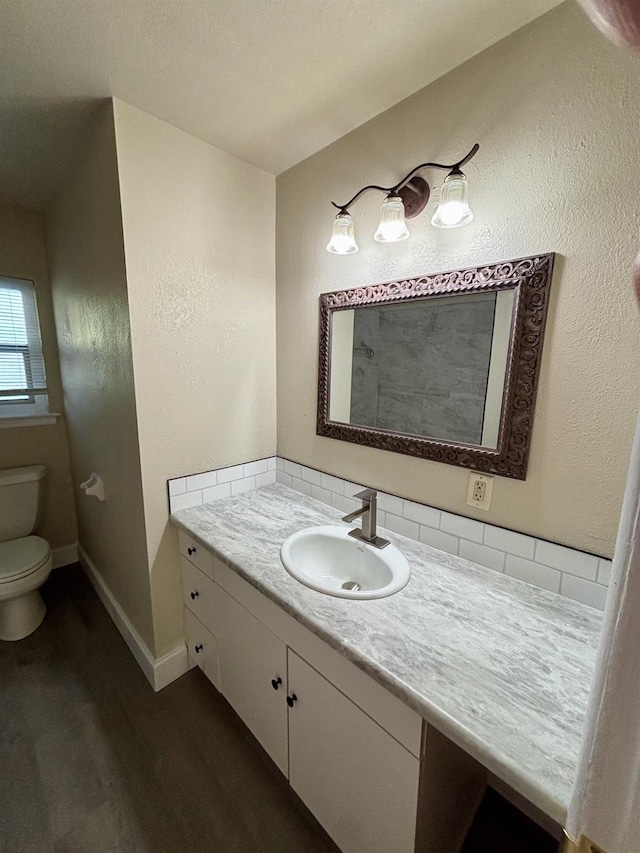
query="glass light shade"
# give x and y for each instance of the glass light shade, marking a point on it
(343, 240)
(392, 226)
(453, 209)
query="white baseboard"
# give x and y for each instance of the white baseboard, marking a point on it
(65, 556)
(170, 666)
(158, 671)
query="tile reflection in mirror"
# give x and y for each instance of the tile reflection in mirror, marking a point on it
(433, 368)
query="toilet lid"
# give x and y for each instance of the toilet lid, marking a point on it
(22, 556)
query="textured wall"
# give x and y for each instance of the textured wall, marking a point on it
(23, 255)
(89, 288)
(199, 235)
(556, 111)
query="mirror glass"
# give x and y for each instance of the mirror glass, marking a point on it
(444, 366)
(433, 368)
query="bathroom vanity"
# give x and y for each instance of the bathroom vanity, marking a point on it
(389, 717)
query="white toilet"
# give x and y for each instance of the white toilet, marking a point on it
(25, 561)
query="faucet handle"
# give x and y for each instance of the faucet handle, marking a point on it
(367, 495)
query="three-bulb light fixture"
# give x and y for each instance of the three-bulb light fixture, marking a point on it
(404, 201)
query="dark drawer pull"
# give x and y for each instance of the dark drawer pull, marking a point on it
(198, 648)
(194, 595)
(191, 551)
(276, 682)
(291, 699)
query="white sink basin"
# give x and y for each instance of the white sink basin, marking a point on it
(331, 561)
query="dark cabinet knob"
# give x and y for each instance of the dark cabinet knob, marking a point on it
(291, 699)
(194, 595)
(191, 550)
(198, 648)
(276, 682)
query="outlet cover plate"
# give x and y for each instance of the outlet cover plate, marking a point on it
(479, 491)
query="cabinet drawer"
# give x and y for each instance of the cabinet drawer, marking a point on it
(195, 553)
(203, 649)
(198, 595)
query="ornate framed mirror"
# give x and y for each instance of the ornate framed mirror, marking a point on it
(443, 366)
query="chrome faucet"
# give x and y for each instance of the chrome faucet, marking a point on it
(368, 511)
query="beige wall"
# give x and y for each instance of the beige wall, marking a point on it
(556, 111)
(23, 255)
(199, 236)
(89, 287)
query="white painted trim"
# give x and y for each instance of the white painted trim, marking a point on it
(65, 556)
(158, 672)
(29, 420)
(170, 666)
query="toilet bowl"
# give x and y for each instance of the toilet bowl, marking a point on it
(25, 560)
(25, 564)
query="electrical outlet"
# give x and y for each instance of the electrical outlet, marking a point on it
(479, 491)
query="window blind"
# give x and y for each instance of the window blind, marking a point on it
(22, 374)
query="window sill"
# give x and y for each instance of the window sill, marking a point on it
(29, 420)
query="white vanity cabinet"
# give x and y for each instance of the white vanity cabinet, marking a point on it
(358, 781)
(253, 675)
(350, 749)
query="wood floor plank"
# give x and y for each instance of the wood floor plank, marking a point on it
(93, 761)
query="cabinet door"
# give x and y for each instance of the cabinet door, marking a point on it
(251, 657)
(358, 781)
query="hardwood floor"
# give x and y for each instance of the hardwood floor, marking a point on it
(93, 761)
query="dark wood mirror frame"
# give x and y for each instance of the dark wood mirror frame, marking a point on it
(530, 278)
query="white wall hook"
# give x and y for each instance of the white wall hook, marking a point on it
(94, 486)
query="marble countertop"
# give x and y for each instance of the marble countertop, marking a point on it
(500, 667)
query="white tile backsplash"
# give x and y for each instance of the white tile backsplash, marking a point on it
(438, 539)
(301, 485)
(583, 577)
(284, 479)
(458, 525)
(567, 560)
(177, 486)
(604, 571)
(234, 472)
(207, 486)
(527, 570)
(186, 501)
(309, 475)
(265, 479)
(509, 541)
(250, 469)
(483, 555)
(390, 503)
(321, 494)
(583, 590)
(422, 514)
(216, 493)
(344, 504)
(402, 525)
(333, 484)
(246, 484)
(292, 468)
(201, 481)
(351, 489)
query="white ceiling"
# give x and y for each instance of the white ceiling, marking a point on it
(272, 81)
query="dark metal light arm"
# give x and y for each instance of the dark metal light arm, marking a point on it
(406, 180)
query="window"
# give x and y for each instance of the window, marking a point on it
(23, 386)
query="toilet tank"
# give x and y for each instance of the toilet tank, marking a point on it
(21, 493)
